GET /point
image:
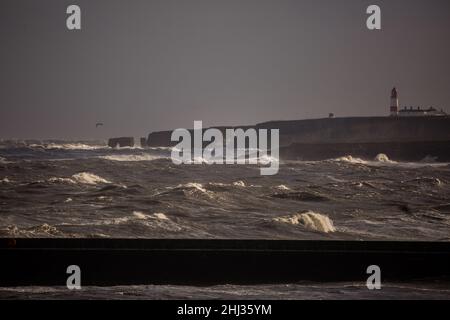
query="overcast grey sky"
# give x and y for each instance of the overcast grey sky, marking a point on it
(141, 66)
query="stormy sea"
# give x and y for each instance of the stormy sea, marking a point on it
(86, 189)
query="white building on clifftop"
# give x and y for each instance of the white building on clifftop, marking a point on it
(411, 111)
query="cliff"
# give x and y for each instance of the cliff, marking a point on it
(402, 138)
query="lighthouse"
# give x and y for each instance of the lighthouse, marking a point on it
(394, 102)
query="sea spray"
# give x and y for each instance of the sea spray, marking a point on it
(310, 220)
(383, 158)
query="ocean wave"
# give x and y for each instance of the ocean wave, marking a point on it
(156, 220)
(81, 178)
(67, 146)
(4, 161)
(39, 230)
(239, 183)
(379, 159)
(192, 186)
(350, 159)
(310, 220)
(383, 158)
(306, 196)
(190, 189)
(427, 181)
(89, 178)
(264, 160)
(282, 187)
(132, 157)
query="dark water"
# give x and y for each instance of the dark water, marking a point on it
(81, 190)
(305, 291)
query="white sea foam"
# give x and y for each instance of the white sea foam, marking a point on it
(282, 187)
(350, 159)
(378, 160)
(61, 180)
(89, 178)
(80, 178)
(137, 216)
(142, 216)
(310, 220)
(132, 157)
(135, 147)
(68, 146)
(156, 220)
(249, 158)
(218, 184)
(104, 198)
(192, 185)
(39, 230)
(384, 161)
(4, 161)
(239, 184)
(195, 188)
(383, 158)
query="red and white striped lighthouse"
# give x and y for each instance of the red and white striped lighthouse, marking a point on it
(394, 102)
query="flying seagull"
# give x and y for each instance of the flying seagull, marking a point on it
(98, 124)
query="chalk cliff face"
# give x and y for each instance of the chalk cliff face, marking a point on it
(408, 138)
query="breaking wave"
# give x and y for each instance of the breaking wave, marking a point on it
(81, 178)
(350, 159)
(310, 220)
(239, 184)
(4, 161)
(154, 221)
(263, 160)
(383, 158)
(192, 186)
(132, 157)
(68, 146)
(191, 189)
(39, 230)
(380, 159)
(136, 216)
(282, 187)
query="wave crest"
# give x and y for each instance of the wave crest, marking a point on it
(39, 230)
(81, 178)
(5, 180)
(350, 159)
(4, 161)
(67, 146)
(132, 157)
(310, 220)
(383, 158)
